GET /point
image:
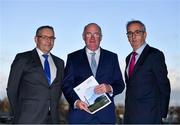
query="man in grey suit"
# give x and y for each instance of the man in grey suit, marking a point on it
(34, 81)
(147, 84)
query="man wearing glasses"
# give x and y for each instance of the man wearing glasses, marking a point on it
(34, 82)
(107, 73)
(148, 87)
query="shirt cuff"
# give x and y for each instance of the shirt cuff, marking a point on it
(75, 104)
(111, 93)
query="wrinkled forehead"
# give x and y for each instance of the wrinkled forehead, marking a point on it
(92, 28)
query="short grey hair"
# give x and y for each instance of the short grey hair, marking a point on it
(92, 24)
(138, 22)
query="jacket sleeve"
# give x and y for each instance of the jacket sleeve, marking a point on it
(67, 86)
(118, 83)
(14, 81)
(160, 71)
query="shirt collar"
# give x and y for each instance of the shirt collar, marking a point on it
(139, 50)
(40, 53)
(89, 51)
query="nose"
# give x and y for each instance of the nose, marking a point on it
(92, 36)
(48, 40)
(133, 35)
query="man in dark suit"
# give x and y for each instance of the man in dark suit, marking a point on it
(148, 88)
(33, 89)
(107, 74)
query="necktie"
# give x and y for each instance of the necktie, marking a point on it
(132, 63)
(47, 69)
(93, 64)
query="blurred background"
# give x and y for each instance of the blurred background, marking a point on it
(19, 20)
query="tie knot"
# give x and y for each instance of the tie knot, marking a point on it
(134, 53)
(93, 54)
(45, 56)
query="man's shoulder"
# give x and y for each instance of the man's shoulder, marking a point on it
(154, 50)
(25, 54)
(57, 58)
(77, 52)
(107, 52)
(23, 57)
(153, 53)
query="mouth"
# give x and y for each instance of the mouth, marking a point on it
(92, 41)
(133, 41)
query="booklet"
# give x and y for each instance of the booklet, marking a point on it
(86, 93)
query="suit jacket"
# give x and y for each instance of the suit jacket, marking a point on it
(148, 90)
(28, 91)
(77, 70)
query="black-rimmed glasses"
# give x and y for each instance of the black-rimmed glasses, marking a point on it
(47, 37)
(136, 33)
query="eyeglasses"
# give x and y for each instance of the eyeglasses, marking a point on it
(136, 33)
(89, 34)
(51, 38)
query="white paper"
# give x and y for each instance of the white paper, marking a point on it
(86, 93)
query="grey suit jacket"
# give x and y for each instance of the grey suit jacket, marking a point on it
(28, 91)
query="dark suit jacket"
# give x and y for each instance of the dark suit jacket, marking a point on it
(148, 90)
(28, 91)
(77, 70)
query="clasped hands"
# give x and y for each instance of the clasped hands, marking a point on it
(99, 89)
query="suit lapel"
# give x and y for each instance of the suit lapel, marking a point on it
(57, 67)
(36, 60)
(101, 58)
(85, 62)
(141, 59)
(138, 64)
(58, 71)
(127, 62)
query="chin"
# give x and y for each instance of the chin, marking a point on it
(94, 49)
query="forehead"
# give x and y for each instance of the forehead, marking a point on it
(46, 31)
(92, 28)
(134, 26)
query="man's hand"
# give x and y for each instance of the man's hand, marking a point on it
(103, 88)
(82, 106)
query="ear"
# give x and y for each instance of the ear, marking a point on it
(83, 37)
(145, 34)
(100, 38)
(36, 39)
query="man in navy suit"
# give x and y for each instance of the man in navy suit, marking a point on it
(108, 75)
(34, 96)
(148, 87)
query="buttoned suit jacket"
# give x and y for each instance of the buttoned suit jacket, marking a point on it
(29, 93)
(148, 90)
(77, 70)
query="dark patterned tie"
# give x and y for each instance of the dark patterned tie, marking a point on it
(47, 69)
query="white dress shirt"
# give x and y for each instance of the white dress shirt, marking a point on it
(97, 56)
(53, 68)
(138, 51)
(89, 55)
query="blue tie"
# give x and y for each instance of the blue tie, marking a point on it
(47, 69)
(93, 64)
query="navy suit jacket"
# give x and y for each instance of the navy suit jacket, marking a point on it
(78, 69)
(29, 93)
(148, 90)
